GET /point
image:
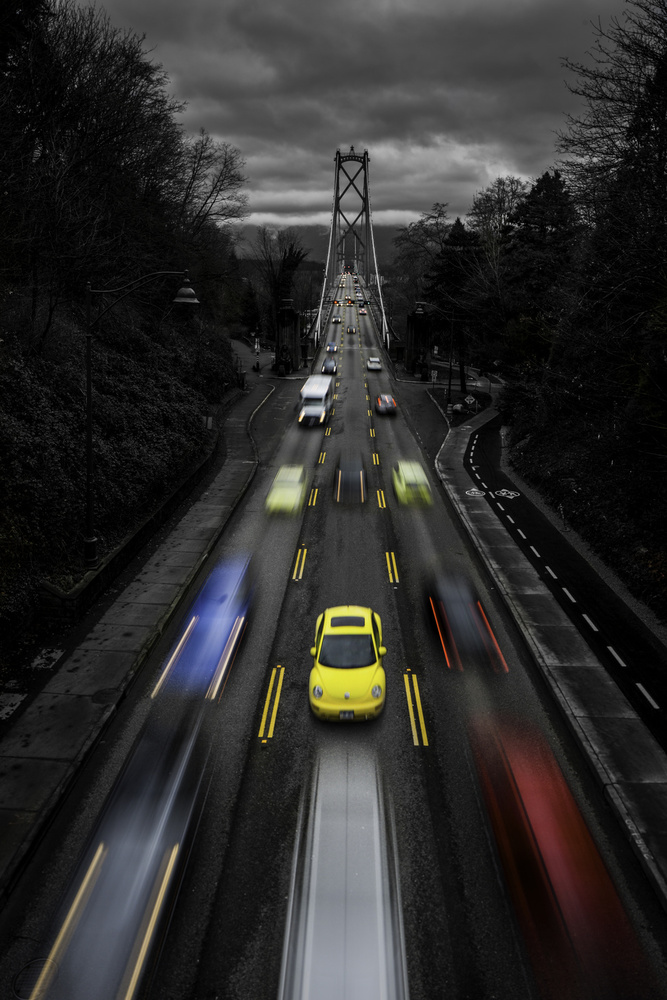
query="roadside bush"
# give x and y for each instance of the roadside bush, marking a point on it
(148, 430)
(590, 470)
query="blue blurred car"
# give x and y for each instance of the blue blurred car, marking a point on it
(199, 662)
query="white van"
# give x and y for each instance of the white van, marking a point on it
(316, 400)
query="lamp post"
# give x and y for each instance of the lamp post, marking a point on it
(420, 305)
(186, 295)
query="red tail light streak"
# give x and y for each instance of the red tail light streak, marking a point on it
(467, 637)
(579, 940)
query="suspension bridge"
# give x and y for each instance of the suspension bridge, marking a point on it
(351, 242)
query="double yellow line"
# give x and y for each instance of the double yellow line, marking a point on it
(392, 568)
(278, 672)
(300, 563)
(411, 710)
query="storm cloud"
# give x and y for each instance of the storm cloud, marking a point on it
(445, 95)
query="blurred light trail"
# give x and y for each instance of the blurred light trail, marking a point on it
(117, 908)
(344, 929)
(201, 658)
(463, 627)
(578, 936)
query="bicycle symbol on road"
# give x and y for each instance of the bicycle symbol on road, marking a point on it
(508, 494)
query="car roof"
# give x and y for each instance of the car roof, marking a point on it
(412, 470)
(346, 612)
(291, 472)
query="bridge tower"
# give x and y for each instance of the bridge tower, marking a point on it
(351, 216)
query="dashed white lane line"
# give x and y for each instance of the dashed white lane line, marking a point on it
(574, 601)
(500, 506)
(616, 656)
(647, 696)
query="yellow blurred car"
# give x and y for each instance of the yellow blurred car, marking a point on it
(347, 682)
(410, 483)
(288, 491)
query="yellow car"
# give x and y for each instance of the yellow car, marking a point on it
(288, 490)
(347, 682)
(410, 483)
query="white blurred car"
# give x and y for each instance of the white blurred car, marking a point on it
(374, 365)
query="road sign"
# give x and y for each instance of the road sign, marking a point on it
(470, 400)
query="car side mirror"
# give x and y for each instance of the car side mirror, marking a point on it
(382, 651)
(313, 650)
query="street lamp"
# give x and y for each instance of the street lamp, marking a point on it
(186, 295)
(420, 309)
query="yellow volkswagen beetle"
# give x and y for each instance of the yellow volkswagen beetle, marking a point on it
(347, 682)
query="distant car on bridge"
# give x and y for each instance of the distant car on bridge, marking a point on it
(385, 404)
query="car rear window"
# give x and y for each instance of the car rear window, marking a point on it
(347, 620)
(347, 651)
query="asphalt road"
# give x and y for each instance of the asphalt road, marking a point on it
(464, 928)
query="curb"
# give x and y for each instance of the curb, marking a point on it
(18, 860)
(609, 783)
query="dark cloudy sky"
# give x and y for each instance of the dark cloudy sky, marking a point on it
(446, 95)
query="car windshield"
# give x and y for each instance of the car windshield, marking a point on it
(347, 651)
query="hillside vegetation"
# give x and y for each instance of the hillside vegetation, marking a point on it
(560, 286)
(101, 184)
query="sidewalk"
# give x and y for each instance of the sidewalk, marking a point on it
(44, 749)
(626, 760)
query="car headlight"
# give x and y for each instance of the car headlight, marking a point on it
(377, 691)
(323, 415)
(317, 691)
(301, 415)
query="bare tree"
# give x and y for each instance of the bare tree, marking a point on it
(277, 254)
(418, 246)
(93, 153)
(616, 157)
(489, 218)
(211, 184)
(628, 57)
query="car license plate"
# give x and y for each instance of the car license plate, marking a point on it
(346, 715)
